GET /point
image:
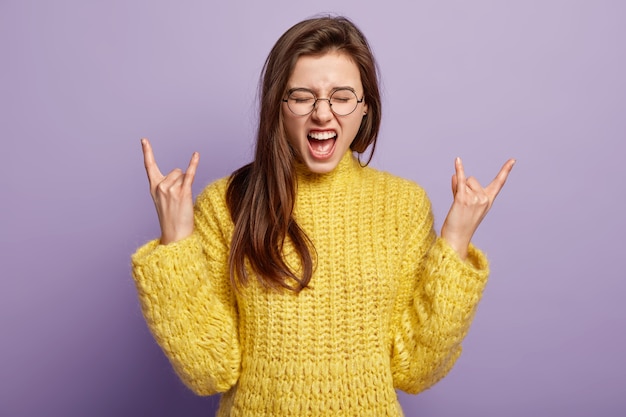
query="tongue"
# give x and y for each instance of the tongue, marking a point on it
(321, 146)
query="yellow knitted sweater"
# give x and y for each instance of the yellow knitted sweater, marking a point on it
(387, 307)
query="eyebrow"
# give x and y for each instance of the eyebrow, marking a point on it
(344, 87)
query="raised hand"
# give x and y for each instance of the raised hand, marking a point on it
(470, 206)
(172, 196)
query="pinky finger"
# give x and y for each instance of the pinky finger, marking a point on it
(496, 185)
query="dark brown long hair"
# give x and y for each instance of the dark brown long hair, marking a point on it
(261, 195)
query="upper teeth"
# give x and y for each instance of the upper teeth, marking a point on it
(322, 135)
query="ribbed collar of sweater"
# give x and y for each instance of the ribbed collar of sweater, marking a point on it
(347, 167)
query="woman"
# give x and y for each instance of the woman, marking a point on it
(307, 283)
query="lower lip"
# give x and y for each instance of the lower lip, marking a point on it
(325, 155)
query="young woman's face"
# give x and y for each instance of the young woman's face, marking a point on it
(321, 138)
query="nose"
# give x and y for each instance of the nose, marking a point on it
(322, 112)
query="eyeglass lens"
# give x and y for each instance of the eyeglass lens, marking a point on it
(342, 101)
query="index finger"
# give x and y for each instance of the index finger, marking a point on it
(460, 174)
(498, 182)
(154, 174)
(191, 169)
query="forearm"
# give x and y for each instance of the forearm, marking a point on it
(191, 315)
(444, 302)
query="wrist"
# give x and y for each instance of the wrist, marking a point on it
(166, 239)
(459, 244)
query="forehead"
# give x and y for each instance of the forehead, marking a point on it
(325, 72)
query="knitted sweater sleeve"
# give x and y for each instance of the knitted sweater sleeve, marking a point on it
(438, 298)
(186, 298)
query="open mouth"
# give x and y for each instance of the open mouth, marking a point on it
(322, 144)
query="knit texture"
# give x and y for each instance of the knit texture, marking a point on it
(387, 307)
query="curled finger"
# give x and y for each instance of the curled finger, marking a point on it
(170, 182)
(454, 184)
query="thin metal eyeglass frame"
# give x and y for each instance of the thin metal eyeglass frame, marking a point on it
(286, 100)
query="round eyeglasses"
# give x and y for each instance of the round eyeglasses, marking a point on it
(342, 101)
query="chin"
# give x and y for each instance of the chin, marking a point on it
(318, 167)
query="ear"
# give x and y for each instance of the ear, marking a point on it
(365, 108)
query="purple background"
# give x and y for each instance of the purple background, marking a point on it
(542, 81)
